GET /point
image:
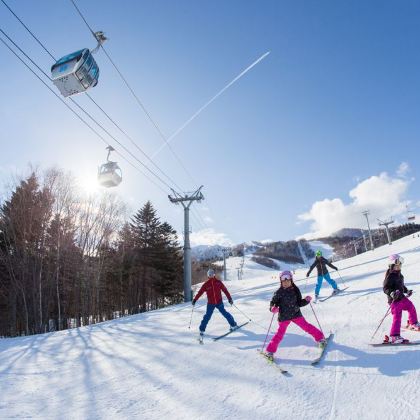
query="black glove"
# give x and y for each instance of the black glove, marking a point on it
(409, 293)
(193, 302)
(395, 295)
(307, 274)
(231, 301)
(336, 269)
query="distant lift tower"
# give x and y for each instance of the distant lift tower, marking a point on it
(386, 224)
(225, 254)
(187, 198)
(366, 213)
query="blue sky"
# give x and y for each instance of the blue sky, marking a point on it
(322, 128)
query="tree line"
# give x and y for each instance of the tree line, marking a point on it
(68, 260)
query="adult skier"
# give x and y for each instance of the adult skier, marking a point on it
(398, 293)
(213, 288)
(287, 301)
(321, 266)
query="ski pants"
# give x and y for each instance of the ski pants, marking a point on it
(327, 277)
(300, 322)
(209, 312)
(404, 304)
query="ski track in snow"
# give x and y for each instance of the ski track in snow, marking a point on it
(150, 365)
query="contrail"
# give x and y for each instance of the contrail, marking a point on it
(209, 102)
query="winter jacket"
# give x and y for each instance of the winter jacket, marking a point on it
(289, 301)
(213, 287)
(321, 264)
(394, 280)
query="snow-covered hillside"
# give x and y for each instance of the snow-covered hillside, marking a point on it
(207, 252)
(150, 366)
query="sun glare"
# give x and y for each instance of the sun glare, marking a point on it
(89, 183)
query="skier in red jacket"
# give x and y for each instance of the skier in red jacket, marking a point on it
(214, 287)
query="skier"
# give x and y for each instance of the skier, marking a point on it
(213, 287)
(394, 287)
(287, 301)
(320, 263)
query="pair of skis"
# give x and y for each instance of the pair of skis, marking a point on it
(201, 338)
(332, 294)
(313, 362)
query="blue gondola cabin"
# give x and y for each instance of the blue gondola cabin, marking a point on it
(75, 73)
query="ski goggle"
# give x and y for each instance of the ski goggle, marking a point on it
(286, 277)
(396, 260)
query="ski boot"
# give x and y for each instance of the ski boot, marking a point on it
(316, 299)
(336, 291)
(269, 355)
(235, 327)
(201, 337)
(322, 343)
(397, 339)
(414, 327)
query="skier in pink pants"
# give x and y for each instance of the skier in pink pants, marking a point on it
(287, 301)
(398, 299)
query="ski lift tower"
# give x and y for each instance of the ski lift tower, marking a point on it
(187, 198)
(386, 224)
(366, 213)
(225, 254)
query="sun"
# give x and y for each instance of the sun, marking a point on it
(89, 183)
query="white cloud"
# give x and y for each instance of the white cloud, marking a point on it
(209, 237)
(382, 195)
(403, 169)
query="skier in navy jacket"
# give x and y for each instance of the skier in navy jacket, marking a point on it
(321, 266)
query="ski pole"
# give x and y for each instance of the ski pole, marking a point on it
(382, 320)
(341, 278)
(268, 332)
(192, 311)
(245, 315)
(316, 318)
(255, 322)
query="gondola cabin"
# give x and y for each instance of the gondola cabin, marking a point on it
(75, 73)
(109, 174)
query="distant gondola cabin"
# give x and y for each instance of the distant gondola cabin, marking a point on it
(75, 73)
(109, 174)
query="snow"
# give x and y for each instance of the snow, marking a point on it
(150, 366)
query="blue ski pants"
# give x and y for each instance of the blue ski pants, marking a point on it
(327, 277)
(209, 312)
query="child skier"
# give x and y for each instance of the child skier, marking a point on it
(287, 301)
(320, 263)
(394, 287)
(213, 287)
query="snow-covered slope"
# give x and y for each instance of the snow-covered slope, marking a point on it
(150, 366)
(207, 252)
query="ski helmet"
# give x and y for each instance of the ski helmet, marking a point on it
(318, 253)
(395, 259)
(285, 275)
(210, 273)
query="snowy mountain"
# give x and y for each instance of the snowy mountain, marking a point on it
(207, 252)
(150, 366)
(349, 233)
(269, 253)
